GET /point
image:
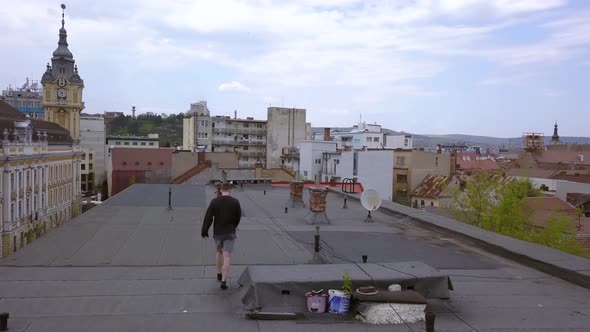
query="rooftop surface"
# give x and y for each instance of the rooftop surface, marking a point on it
(130, 264)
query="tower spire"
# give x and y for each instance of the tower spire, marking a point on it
(63, 12)
(555, 137)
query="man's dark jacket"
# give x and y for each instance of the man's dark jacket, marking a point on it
(226, 212)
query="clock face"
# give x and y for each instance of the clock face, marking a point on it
(61, 93)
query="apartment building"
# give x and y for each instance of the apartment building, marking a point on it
(247, 137)
(92, 142)
(411, 167)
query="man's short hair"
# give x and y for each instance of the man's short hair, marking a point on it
(226, 187)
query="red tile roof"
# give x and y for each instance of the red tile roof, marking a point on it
(128, 159)
(485, 164)
(564, 157)
(432, 186)
(540, 209)
(531, 172)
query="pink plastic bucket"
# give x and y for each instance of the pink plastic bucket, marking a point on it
(316, 301)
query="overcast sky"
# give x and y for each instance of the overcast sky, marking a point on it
(497, 67)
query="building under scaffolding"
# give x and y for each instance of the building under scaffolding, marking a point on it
(533, 142)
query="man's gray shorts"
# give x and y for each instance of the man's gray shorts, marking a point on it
(225, 242)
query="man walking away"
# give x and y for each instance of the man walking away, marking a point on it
(224, 213)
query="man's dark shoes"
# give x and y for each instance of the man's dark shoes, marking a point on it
(218, 276)
(223, 285)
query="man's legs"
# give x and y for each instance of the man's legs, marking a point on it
(219, 261)
(226, 262)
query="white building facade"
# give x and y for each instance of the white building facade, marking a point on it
(92, 142)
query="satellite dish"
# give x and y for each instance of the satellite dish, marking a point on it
(371, 201)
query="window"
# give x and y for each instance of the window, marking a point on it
(436, 162)
(142, 143)
(149, 163)
(305, 173)
(134, 143)
(318, 161)
(406, 142)
(90, 156)
(125, 143)
(245, 148)
(161, 163)
(83, 167)
(376, 139)
(422, 203)
(246, 137)
(246, 125)
(83, 157)
(431, 203)
(90, 166)
(117, 143)
(368, 139)
(151, 143)
(402, 178)
(137, 163)
(400, 160)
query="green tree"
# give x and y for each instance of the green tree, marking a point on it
(558, 234)
(474, 205)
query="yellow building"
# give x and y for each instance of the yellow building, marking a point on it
(62, 88)
(40, 160)
(40, 179)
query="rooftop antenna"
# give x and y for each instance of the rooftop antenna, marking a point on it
(371, 201)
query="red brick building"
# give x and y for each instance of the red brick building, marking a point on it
(127, 166)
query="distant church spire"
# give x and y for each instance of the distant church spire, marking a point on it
(555, 137)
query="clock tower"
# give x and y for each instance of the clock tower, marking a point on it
(62, 87)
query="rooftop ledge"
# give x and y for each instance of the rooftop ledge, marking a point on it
(557, 263)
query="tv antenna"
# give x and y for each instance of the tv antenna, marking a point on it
(371, 201)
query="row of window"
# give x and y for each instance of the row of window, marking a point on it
(134, 143)
(149, 163)
(83, 166)
(90, 155)
(21, 103)
(235, 125)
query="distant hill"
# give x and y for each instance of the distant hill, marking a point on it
(430, 141)
(168, 129)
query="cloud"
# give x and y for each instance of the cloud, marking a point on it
(233, 86)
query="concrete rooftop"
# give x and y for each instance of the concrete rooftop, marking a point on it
(131, 264)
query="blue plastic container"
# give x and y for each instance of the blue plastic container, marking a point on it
(338, 302)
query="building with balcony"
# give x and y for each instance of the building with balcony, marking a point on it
(286, 128)
(40, 172)
(196, 128)
(247, 137)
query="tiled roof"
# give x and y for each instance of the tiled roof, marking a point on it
(432, 186)
(576, 199)
(141, 159)
(485, 164)
(540, 209)
(56, 134)
(531, 172)
(564, 157)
